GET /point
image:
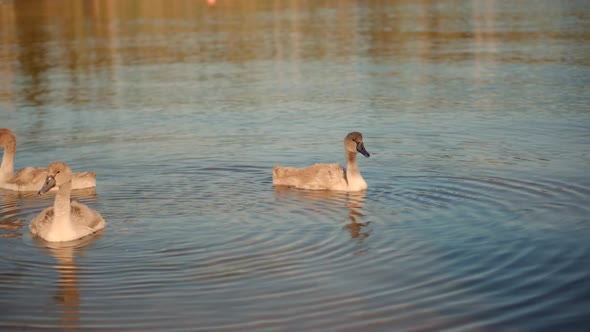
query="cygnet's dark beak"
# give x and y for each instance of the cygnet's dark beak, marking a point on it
(360, 147)
(49, 183)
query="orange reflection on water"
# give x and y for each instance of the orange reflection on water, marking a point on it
(90, 41)
(67, 295)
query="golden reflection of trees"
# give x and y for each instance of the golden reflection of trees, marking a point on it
(92, 39)
(100, 33)
(7, 57)
(32, 51)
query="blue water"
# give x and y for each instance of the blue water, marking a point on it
(475, 114)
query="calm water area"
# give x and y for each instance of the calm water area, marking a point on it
(476, 115)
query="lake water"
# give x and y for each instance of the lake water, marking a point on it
(476, 115)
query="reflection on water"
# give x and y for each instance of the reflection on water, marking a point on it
(9, 225)
(476, 214)
(67, 297)
(11, 208)
(355, 204)
(93, 42)
(326, 204)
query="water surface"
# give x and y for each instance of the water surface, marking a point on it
(475, 114)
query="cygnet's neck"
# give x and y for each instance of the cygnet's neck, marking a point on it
(351, 165)
(61, 210)
(7, 166)
(354, 178)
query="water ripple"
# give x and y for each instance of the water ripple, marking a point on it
(438, 249)
(476, 215)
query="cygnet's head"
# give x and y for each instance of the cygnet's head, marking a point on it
(58, 173)
(7, 138)
(354, 143)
